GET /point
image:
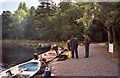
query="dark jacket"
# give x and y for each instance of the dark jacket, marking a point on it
(73, 43)
(87, 40)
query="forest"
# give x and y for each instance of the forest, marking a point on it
(51, 22)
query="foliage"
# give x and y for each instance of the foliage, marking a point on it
(59, 22)
(6, 21)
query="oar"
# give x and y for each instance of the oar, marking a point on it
(4, 65)
(52, 59)
(56, 56)
(1, 64)
(19, 72)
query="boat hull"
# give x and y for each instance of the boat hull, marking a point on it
(27, 69)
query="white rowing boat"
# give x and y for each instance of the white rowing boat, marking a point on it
(30, 68)
(27, 69)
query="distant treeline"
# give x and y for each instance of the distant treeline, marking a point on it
(59, 22)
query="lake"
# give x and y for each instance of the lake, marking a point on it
(16, 54)
(12, 55)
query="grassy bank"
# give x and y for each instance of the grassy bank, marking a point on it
(30, 43)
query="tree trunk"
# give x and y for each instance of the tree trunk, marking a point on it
(114, 37)
(114, 42)
(109, 35)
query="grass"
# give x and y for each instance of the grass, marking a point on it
(30, 43)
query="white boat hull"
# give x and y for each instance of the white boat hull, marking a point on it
(27, 69)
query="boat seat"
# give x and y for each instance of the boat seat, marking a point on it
(14, 70)
(9, 73)
(31, 69)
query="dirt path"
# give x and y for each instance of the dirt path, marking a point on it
(96, 65)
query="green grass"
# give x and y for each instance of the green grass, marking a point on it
(30, 43)
(33, 42)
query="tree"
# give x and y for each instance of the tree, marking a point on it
(43, 14)
(70, 25)
(30, 24)
(64, 6)
(89, 11)
(18, 26)
(23, 6)
(109, 17)
(6, 24)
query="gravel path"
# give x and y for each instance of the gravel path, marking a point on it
(96, 65)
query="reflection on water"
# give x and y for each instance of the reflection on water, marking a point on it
(15, 55)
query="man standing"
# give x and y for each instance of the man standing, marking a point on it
(68, 45)
(74, 46)
(86, 43)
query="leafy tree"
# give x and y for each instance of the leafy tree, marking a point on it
(51, 22)
(43, 14)
(30, 28)
(108, 15)
(23, 6)
(20, 6)
(64, 6)
(19, 22)
(89, 10)
(6, 24)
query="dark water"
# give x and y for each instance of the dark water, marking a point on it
(12, 55)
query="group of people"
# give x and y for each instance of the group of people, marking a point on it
(72, 45)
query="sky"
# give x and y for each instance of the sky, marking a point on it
(12, 5)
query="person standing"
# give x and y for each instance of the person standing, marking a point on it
(74, 46)
(86, 43)
(55, 47)
(68, 45)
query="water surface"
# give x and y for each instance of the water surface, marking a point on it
(12, 55)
